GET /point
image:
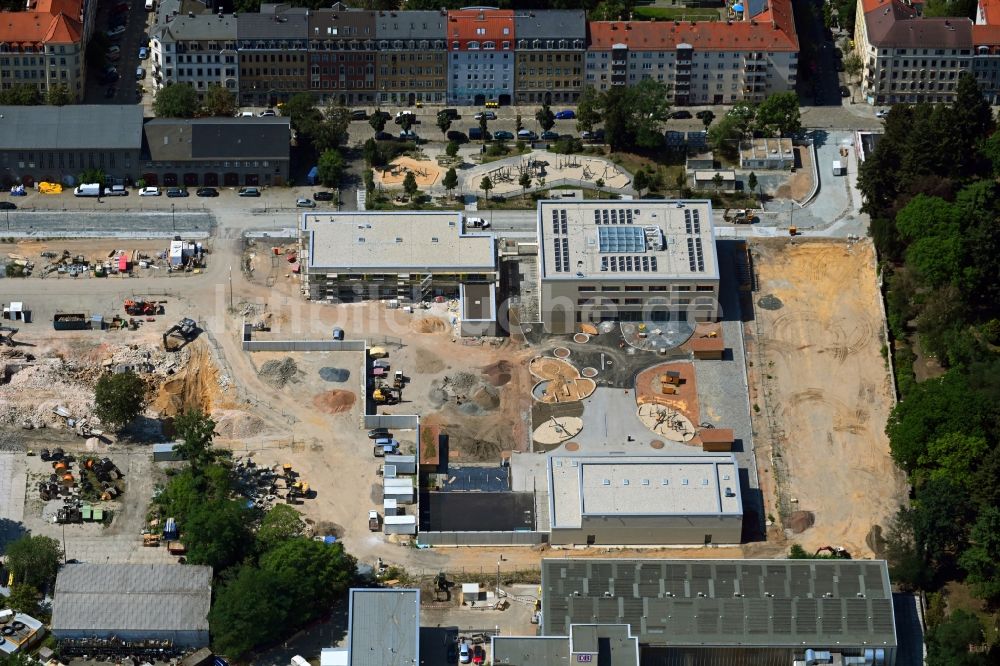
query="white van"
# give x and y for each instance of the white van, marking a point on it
(150, 5)
(88, 190)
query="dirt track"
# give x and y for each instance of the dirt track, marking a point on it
(823, 391)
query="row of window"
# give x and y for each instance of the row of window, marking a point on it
(40, 74)
(17, 61)
(28, 48)
(558, 71)
(411, 71)
(600, 302)
(343, 71)
(267, 71)
(641, 287)
(236, 164)
(66, 160)
(207, 71)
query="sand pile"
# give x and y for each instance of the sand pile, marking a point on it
(486, 398)
(429, 364)
(462, 381)
(429, 325)
(278, 373)
(237, 424)
(334, 402)
(334, 374)
(499, 373)
(800, 521)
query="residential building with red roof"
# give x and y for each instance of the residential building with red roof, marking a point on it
(44, 45)
(480, 55)
(748, 57)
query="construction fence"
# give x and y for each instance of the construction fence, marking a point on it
(482, 538)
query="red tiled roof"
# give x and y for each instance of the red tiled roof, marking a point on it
(463, 25)
(990, 11)
(986, 35)
(776, 35)
(49, 21)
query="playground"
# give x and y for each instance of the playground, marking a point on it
(426, 172)
(555, 169)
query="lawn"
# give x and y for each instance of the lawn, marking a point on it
(678, 13)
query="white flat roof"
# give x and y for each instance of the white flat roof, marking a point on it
(618, 240)
(662, 485)
(396, 242)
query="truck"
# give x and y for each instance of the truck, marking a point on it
(398, 379)
(838, 168)
(87, 190)
(374, 521)
(70, 321)
(381, 450)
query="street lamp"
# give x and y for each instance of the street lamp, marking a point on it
(173, 220)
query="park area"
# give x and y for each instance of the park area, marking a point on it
(822, 392)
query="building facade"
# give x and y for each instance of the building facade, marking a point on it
(58, 143)
(626, 261)
(480, 56)
(412, 57)
(746, 58)
(195, 49)
(342, 55)
(43, 46)
(273, 54)
(549, 56)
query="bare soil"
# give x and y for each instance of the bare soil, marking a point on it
(822, 392)
(334, 402)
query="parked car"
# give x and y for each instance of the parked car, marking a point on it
(140, 73)
(681, 115)
(489, 115)
(322, 196)
(109, 75)
(113, 51)
(8, 205)
(704, 113)
(338, 333)
(267, 113)
(550, 136)
(882, 113)
(175, 192)
(117, 20)
(565, 114)
(115, 32)
(384, 136)
(503, 135)
(302, 202)
(596, 135)
(143, 52)
(527, 135)
(151, 191)
(207, 192)
(457, 137)
(121, 8)
(359, 114)
(379, 433)
(476, 134)
(408, 135)
(249, 192)
(478, 654)
(464, 653)
(844, 92)
(399, 117)
(452, 114)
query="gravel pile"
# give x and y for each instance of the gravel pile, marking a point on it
(278, 373)
(236, 424)
(334, 374)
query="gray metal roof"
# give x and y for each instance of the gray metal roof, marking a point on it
(423, 24)
(610, 641)
(531, 650)
(286, 24)
(384, 627)
(71, 127)
(197, 28)
(550, 24)
(755, 603)
(172, 139)
(132, 597)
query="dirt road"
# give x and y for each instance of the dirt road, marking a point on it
(822, 392)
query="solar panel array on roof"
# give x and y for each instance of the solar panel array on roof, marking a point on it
(625, 263)
(613, 215)
(561, 254)
(692, 221)
(559, 224)
(696, 255)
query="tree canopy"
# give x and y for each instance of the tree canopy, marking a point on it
(34, 560)
(331, 167)
(119, 398)
(219, 101)
(176, 100)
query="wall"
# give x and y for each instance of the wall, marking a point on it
(652, 530)
(186, 639)
(482, 538)
(748, 656)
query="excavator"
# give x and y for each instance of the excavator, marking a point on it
(383, 395)
(835, 551)
(7, 336)
(186, 329)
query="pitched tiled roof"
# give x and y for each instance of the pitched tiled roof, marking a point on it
(988, 12)
(463, 25)
(47, 21)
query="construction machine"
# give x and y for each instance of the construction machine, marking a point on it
(186, 330)
(836, 551)
(142, 308)
(7, 336)
(383, 395)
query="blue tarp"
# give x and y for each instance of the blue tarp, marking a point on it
(737, 8)
(313, 176)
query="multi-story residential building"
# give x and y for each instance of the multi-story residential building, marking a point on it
(480, 56)
(273, 54)
(412, 57)
(549, 55)
(986, 49)
(908, 57)
(703, 62)
(196, 49)
(44, 46)
(342, 54)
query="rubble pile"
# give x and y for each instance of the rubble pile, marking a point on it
(145, 359)
(278, 373)
(35, 389)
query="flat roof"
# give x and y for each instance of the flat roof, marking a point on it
(724, 603)
(384, 627)
(478, 301)
(71, 127)
(476, 511)
(615, 240)
(662, 485)
(767, 148)
(395, 242)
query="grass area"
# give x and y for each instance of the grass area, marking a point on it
(386, 201)
(678, 13)
(959, 596)
(528, 203)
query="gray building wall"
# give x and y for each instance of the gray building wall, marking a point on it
(216, 173)
(651, 530)
(475, 77)
(184, 639)
(65, 165)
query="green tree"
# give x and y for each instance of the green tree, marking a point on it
(633, 115)
(217, 533)
(443, 122)
(450, 181)
(370, 151)
(369, 176)
(717, 180)
(518, 125)
(176, 100)
(546, 119)
(34, 560)
(940, 519)
(779, 114)
(320, 573)
(600, 187)
(24, 598)
(119, 398)
(249, 595)
(59, 95)
(588, 110)
(378, 120)
(953, 456)
(410, 184)
(827, 15)
(21, 94)
(484, 126)
(219, 101)
(451, 150)
(907, 567)
(948, 643)
(640, 181)
(92, 176)
(752, 182)
(331, 167)
(982, 559)
(406, 121)
(706, 118)
(486, 185)
(525, 182)
(195, 430)
(279, 524)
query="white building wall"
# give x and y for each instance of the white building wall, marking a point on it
(480, 72)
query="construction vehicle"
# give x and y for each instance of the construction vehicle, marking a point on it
(374, 521)
(383, 395)
(7, 336)
(398, 380)
(142, 308)
(836, 551)
(382, 450)
(186, 329)
(793, 231)
(150, 540)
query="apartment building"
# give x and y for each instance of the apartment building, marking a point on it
(549, 55)
(195, 49)
(43, 46)
(986, 49)
(273, 54)
(626, 261)
(412, 57)
(480, 56)
(748, 57)
(342, 55)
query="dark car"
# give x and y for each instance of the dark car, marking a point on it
(207, 192)
(844, 92)
(359, 114)
(503, 135)
(7, 205)
(110, 92)
(451, 114)
(550, 136)
(565, 114)
(384, 136)
(249, 192)
(323, 196)
(681, 115)
(595, 136)
(457, 137)
(701, 115)
(175, 192)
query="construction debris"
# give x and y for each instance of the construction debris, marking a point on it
(278, 373)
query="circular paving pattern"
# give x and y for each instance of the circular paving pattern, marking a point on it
(560, 352)
(589, 372)
(657, 444)
(571, 446)
(581, 338)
